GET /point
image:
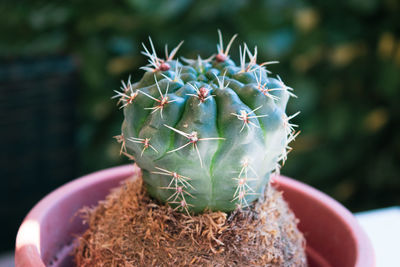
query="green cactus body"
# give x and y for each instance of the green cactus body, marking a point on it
(207, 134)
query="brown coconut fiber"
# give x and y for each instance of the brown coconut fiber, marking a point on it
(130, 229)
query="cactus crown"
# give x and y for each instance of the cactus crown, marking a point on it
(207, 133)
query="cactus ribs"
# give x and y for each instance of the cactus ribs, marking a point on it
(202, 119)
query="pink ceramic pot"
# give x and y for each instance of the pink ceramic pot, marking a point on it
(334, 238)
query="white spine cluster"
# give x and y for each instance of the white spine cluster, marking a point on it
(243, 189)
(179, 184)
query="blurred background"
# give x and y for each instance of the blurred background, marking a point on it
(61, 60)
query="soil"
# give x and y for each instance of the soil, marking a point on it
(130, 229)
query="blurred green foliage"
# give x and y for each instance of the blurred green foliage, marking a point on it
(341, 57)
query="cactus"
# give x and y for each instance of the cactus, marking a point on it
(207, 133)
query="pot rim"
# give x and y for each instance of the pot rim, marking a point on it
(365, 252)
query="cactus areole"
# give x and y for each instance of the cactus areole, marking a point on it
(207, 133)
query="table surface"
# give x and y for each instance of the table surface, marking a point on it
(382, 227)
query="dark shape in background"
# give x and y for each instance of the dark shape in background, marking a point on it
(38, 124)
(342, 58)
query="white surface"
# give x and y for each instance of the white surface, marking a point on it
(383, 229)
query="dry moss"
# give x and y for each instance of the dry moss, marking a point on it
(130, 229)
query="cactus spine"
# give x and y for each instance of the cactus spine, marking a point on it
(206, 133)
